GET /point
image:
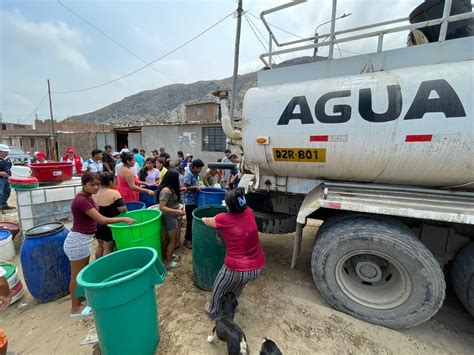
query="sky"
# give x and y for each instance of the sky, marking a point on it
(41, 39)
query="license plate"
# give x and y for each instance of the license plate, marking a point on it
(57, 173)
(304, 155)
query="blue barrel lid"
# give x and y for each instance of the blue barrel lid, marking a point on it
(44, 229)
(4, 234)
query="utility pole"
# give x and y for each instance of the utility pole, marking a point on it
(236, 60)
(53, 133)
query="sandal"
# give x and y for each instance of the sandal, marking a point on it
(87, 311)
(172, 265)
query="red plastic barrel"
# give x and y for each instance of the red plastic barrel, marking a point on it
(51, 171)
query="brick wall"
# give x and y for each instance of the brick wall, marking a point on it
(83, 143)
(45, 126)
(204, 112)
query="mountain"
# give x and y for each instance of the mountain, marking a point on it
(167, 103)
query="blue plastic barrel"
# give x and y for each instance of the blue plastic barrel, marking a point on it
(46, 268)
(147, 199)
(133, 206)
(211, 196)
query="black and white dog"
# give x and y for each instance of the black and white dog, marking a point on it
(269, 348)
(226, 329)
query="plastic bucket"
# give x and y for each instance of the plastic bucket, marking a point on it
(147, 199)
(20, 171)
(133, 206)
(145, 232)
(120, 288)
(210, 196)
(208, 247)
(10, 272)
(7, 249)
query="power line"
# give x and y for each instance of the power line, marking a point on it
(293, 34)
(36, 108)
(150, 63)
(113, 40)
(281, 29)
(252, 25)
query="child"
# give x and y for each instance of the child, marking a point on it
(77, 246)
(169, 196)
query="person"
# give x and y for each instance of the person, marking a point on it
(244, 258)
(180, 158)
(212, 177)
(149, 173)
(110, 204)
(142, 153)
(160, 165)
(138, 158)
(5, 299)
(74, 159)
(116, 156)
(234, 179)
(128, 183)
(162, 150)
(135, 169)
(226, 172)
(78, 243)
(41, 157)
(181, 176)
(94, 165)
(169, 194)
(155, 153)
(5, 173)
(108, 159)
(166, 159)
(187, 162)
(191, 183)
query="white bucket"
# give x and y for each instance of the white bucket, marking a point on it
(14, 283)
(7, 249)
(20, 171)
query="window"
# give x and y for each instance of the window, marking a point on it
(198, 111)
(213, 139)
(4, 127)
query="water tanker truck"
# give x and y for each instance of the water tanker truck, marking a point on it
(380, 147)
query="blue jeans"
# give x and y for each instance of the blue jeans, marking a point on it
(4, 192)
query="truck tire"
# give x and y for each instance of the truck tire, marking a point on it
(377, 271)
(275, 223)
(462, 277)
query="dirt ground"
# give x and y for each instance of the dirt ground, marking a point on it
(283, 304)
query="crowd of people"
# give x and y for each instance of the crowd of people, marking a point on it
(111, 179)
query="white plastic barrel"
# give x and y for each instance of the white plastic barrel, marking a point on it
(7, 249)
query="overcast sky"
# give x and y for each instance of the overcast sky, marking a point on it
(41, 39)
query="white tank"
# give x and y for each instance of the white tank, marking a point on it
(410, 126)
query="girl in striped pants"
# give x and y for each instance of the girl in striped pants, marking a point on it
(244, 259)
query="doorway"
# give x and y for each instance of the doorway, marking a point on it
(122, 141)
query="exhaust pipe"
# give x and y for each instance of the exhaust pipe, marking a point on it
(227, 121)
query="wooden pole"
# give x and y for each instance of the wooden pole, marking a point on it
(236, 59)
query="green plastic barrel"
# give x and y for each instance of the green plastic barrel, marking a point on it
(208, 247)
(120, 288)
(145, 232)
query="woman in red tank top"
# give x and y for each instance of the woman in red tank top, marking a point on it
(128, 184)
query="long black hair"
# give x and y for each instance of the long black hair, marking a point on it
(235, 200)
(143, 173)
(171, 181)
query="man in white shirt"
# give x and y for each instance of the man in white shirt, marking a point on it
(94, 165)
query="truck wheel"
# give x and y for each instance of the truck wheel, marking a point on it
(462, 277)
(275, 223)
(378, 271)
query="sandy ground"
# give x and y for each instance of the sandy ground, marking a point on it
(283, 304)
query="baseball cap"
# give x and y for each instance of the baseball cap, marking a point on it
(41, 155)
(4, 148)
(70, 149)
